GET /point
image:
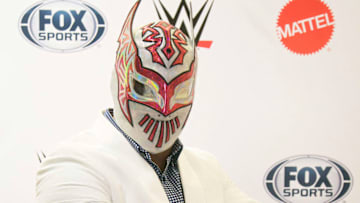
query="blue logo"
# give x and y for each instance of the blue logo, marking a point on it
(62, 25)
(308, 179)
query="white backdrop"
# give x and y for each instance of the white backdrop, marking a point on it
(256, 102)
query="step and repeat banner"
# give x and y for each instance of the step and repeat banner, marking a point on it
(277, 93)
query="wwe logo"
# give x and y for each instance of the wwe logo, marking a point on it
(182, 16)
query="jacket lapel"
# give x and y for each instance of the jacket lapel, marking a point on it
(193, 190)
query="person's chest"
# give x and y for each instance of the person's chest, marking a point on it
(131, 179)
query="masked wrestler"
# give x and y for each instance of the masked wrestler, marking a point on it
(133, 154)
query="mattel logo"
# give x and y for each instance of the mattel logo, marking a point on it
(308, 179)
(305, 26)
(62, 25)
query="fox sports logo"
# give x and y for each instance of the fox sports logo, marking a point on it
(62, 25)
(308, 179)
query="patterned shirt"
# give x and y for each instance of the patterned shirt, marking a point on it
(170, 177)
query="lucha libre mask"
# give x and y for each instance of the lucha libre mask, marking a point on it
(153, 82)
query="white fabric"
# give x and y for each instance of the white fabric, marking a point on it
(99, 165)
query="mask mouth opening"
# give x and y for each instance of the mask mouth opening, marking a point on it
(162, 128)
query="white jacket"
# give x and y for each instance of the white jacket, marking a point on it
(99, 165)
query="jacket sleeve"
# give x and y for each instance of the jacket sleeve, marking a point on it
(67, 176)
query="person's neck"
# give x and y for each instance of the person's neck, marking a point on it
(160, 158)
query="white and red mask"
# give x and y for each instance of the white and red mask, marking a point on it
(153, 83)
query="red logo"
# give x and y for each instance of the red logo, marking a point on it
(305, 26)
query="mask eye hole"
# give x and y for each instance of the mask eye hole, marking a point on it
(142, 89)
(145, 90)
(183, 93)
(184, 90)
(139, 88)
